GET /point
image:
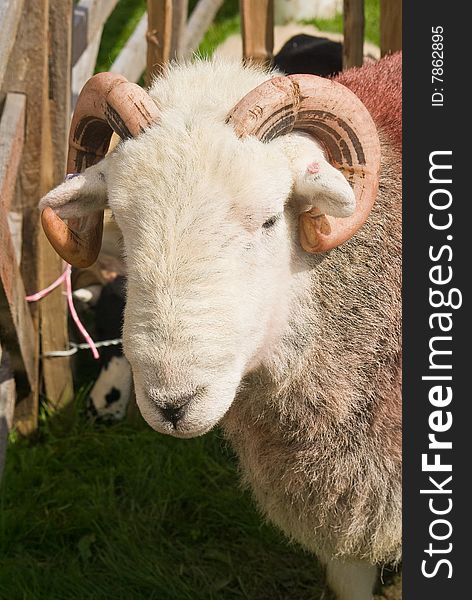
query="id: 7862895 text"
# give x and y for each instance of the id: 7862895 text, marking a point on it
(437, 65)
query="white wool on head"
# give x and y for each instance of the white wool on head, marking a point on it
(209, 223)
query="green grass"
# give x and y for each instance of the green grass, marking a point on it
(217, 33)
(99, 512)
(117, 30)
(226, 23)
(372, 22)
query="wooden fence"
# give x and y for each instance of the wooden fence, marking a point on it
(48, 49)
(35, 50)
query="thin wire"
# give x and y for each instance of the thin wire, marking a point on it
(76, 347)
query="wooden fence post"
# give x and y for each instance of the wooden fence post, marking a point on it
(166, 22)
(158, 36)
(10, 15)
(57, 375)
(390, 26)
(16, 326)
(353, 46)
(27, 73)
(257, 24)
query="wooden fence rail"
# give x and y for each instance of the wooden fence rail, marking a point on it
(15, 320)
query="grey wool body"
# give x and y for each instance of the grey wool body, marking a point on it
(318, 428)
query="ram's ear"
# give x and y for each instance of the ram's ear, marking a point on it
(80, 194)
(321, 186)
(316, 183)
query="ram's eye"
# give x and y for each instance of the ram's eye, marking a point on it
(271, 222)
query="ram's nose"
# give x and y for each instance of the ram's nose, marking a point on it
(174, 408)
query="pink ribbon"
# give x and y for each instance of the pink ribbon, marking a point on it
(66, 277)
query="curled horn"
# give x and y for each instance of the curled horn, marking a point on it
(107, 103)
(333, 115)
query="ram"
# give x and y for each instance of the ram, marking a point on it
(261, 219)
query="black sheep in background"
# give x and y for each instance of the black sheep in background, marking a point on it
(111, 393)
(310, 54)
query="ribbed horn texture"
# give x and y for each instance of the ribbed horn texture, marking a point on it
(333, 115)
(107, 103)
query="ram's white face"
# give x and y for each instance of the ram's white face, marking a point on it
(209, 225)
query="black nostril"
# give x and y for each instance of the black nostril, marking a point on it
(173, 414)
(174, 410)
